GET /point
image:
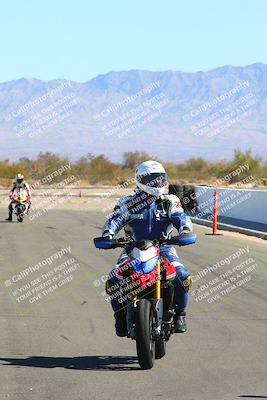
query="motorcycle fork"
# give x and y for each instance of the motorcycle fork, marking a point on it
(131, 305)
(157, 294)
(158, 302)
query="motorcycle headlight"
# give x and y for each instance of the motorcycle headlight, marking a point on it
(144, 267)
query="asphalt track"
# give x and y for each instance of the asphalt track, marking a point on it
(63, 346)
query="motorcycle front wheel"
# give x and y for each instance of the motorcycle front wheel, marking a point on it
(145, 344)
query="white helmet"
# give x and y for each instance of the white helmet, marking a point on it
(151, 177)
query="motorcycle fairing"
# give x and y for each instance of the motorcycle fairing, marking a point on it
(145, 260)
(145, 267)
(144, 279)
(123, 268)
(136, 269)
(169, 268)
(128, 267)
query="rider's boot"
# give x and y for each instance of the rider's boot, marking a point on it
(9, 216)
(29, 206)
(120, 323)
(168, 317)
(180, 322)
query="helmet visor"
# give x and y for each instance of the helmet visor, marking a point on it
(155, 180)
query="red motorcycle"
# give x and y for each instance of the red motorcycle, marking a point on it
(146, 293)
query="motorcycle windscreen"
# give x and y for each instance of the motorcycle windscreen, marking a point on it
(144, 261)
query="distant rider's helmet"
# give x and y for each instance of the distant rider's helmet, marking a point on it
(19, 178)
(151, 177)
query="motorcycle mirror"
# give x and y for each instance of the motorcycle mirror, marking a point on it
(103, 243)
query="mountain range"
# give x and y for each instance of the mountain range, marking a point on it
(170, 114)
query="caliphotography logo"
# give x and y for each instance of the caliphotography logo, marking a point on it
(133, 192)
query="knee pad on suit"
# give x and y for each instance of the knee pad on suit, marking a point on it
(187, 283)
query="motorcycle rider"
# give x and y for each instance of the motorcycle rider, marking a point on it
(19, 183)
(148, 214)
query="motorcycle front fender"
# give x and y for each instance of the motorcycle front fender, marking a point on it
(157, 305)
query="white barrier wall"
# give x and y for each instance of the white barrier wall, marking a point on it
(245, 204)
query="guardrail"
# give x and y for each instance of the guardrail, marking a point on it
(243, 204)
(241, 208)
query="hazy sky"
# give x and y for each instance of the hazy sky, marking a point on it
(80, 39)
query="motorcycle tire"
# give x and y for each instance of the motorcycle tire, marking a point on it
(145, 345)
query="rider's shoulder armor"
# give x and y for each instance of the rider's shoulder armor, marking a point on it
(172, 202)
(121, 205)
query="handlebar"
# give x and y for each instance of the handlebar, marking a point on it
(106, 243)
